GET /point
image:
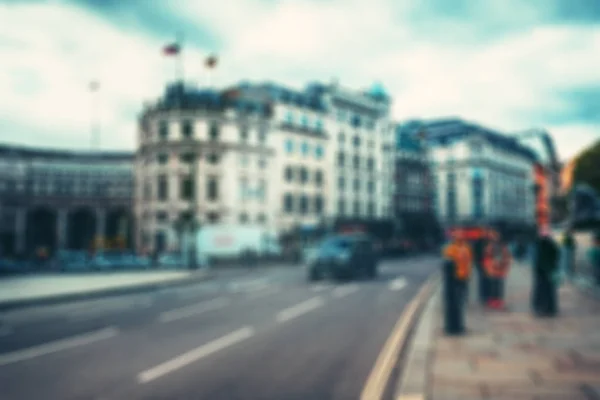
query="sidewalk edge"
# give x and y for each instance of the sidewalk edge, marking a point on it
(412, 383)
(132, 289)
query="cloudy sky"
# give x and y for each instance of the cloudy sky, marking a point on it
(506, 64)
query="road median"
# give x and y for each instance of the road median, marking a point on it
(31, 290)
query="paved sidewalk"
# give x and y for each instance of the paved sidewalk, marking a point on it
(33, 289)
(509, 354)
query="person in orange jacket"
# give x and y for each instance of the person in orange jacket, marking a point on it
(459, 251)
(497, 260)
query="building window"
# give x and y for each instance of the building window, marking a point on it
(341, 207)
(147, 191)
(262, 135)
(341, 138)
(262, 190)
(451, 196)
(371, 187)
(303, 204)
(355, 122)
(186, 190)
(186, 158)
(262, 218)
(213, 131)
(370, 164)
(213, 158)
(318, 205)
(356, 141)
(163, 130)
(341, 159)
(319, 125)
(304, 121)
(356, 185)
(187, 129)
(213, 218)
(356, 208)
(305, 149)
(243, 133)
(478, 194)
(262, 163)
(319, 152)
(161, 217)
(163, 158)
(341, 183)
(356, 162)
(288, 203)
(303, 175)
(319, 178)
(243, 218)
(212, 190)
(289, 146)
(371, 210)
(163, 188)
(289, 118)
(289, 174)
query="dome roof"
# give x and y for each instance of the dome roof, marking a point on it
(377, 90)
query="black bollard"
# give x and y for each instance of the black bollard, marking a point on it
(453, 304)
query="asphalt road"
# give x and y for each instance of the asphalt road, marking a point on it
(267, 334)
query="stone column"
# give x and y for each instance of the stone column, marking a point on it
(20, 224)
(61, 228)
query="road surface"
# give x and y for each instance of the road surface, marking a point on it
(266, 334)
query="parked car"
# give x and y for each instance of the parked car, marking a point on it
(343, 257)
(71, 260)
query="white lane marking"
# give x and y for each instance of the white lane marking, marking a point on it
(398, 284)
(299, 309)
(195, 309)
(344, 290)
(247, 285)
(264, 292)
(196, 354)
(59, 345)
(319, 288)
(83, 314)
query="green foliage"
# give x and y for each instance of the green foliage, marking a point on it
(587, 167)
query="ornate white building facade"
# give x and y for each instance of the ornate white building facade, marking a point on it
(262, 154)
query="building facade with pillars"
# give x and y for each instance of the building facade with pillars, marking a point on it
(483, 177)
(262, 154)
(63, 199)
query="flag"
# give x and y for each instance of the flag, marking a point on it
(172, 49)
(211, 61)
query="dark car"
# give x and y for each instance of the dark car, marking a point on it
(342, 257)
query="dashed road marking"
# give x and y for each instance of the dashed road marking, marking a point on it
(193, 310)
(196, 354)
(299, 309)
(267, 291)
(397, 284)
(344, 290)
(59, 345)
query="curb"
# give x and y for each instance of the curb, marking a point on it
(59, 299)
(413, 384)
(386, 369)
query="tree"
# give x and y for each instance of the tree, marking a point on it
(587, 167)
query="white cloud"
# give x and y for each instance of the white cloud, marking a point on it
(497, 82)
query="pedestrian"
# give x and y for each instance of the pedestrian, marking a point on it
(459, 252)
(569, 248)
(497, 264)
(594, 257)
(545, 268)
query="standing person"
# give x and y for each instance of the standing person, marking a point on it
(569, 248)
(497, 264)
(459, 252)
(545, 267)
(594, 256)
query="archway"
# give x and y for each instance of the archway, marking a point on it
(40, 230)
(81, 229)
(119, 228)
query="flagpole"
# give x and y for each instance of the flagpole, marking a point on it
(179, 65)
